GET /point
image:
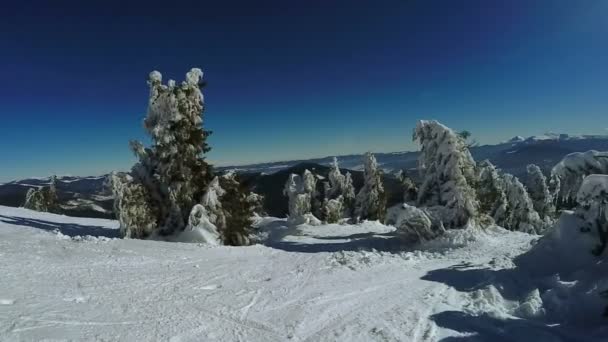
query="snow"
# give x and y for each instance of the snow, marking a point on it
(307, 283)
(593, 188)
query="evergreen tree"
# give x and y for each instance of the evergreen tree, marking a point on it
(132, 207)
(300, 190)
(539, 193)
(371, 199)
(567, 175)
(448, 173)
(410, 190)
(44, 199)
(238, 211)
(349, 197)
(333, 209)
(521, 214)
(339, 195)
(172, 177)
(491, 193)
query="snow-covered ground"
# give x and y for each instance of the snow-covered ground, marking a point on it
(64, 278)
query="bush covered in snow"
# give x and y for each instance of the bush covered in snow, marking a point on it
(447, 170)
(413, 224)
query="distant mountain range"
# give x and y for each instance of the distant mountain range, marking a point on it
(88, 197)
(511, 156)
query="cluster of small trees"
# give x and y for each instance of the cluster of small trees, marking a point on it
(456, 190)
(43, 199)
(172, 188)
(339, 202)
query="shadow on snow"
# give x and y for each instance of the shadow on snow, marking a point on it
(69, 229)
(514, 285)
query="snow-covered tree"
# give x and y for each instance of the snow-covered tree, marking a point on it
(521, 214)
(568, 174)
(538, 189)
(339, 195)
(371, 199)
(413, 224)
(238, 212)
(132, 207)
(257, 203)
(173, 170)
(410, 190)
(212, 202)
(447, 170)
(172, 176)
(333, 209)
(491, 192)
(592, 200)
(43, 199)
(336, 181)
(349, 197)
(299, 190)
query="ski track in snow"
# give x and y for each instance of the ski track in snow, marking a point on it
(56, 287)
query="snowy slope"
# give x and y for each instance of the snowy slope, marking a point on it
(327, 283)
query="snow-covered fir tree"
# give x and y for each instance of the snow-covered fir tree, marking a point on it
(410, 190)
(568, 174)
(348, 196)
(132, 207)
(491, 192)
(371, 199)
(447, 170)
(257, 203)
(298, 190)
(592, 208)
(339, 195)
(333, 209)
(172, 175)
(521, 215)
(238, 212)
(538, 188)
(309, 182)
(44, 199)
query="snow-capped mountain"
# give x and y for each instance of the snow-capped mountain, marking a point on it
(512, 156)
(87, 196)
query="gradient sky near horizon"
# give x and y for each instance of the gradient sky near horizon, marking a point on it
(294, 79)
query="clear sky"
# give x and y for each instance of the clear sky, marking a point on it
(294, 79)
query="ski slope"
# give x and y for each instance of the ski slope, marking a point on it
(66, 278)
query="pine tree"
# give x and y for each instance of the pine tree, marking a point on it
(300, 191)
(410, 191)
(339, 195)
(238, 211)
(349, 197)
(491, 192)
(448, 173)
(172, 177)
(371, 199)
(44, 199)
(333, 209)
(132, 207)
(539, 193)
(521, 214)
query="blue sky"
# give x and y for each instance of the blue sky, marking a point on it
(289, 79)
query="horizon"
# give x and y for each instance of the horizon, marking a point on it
(281, 88)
